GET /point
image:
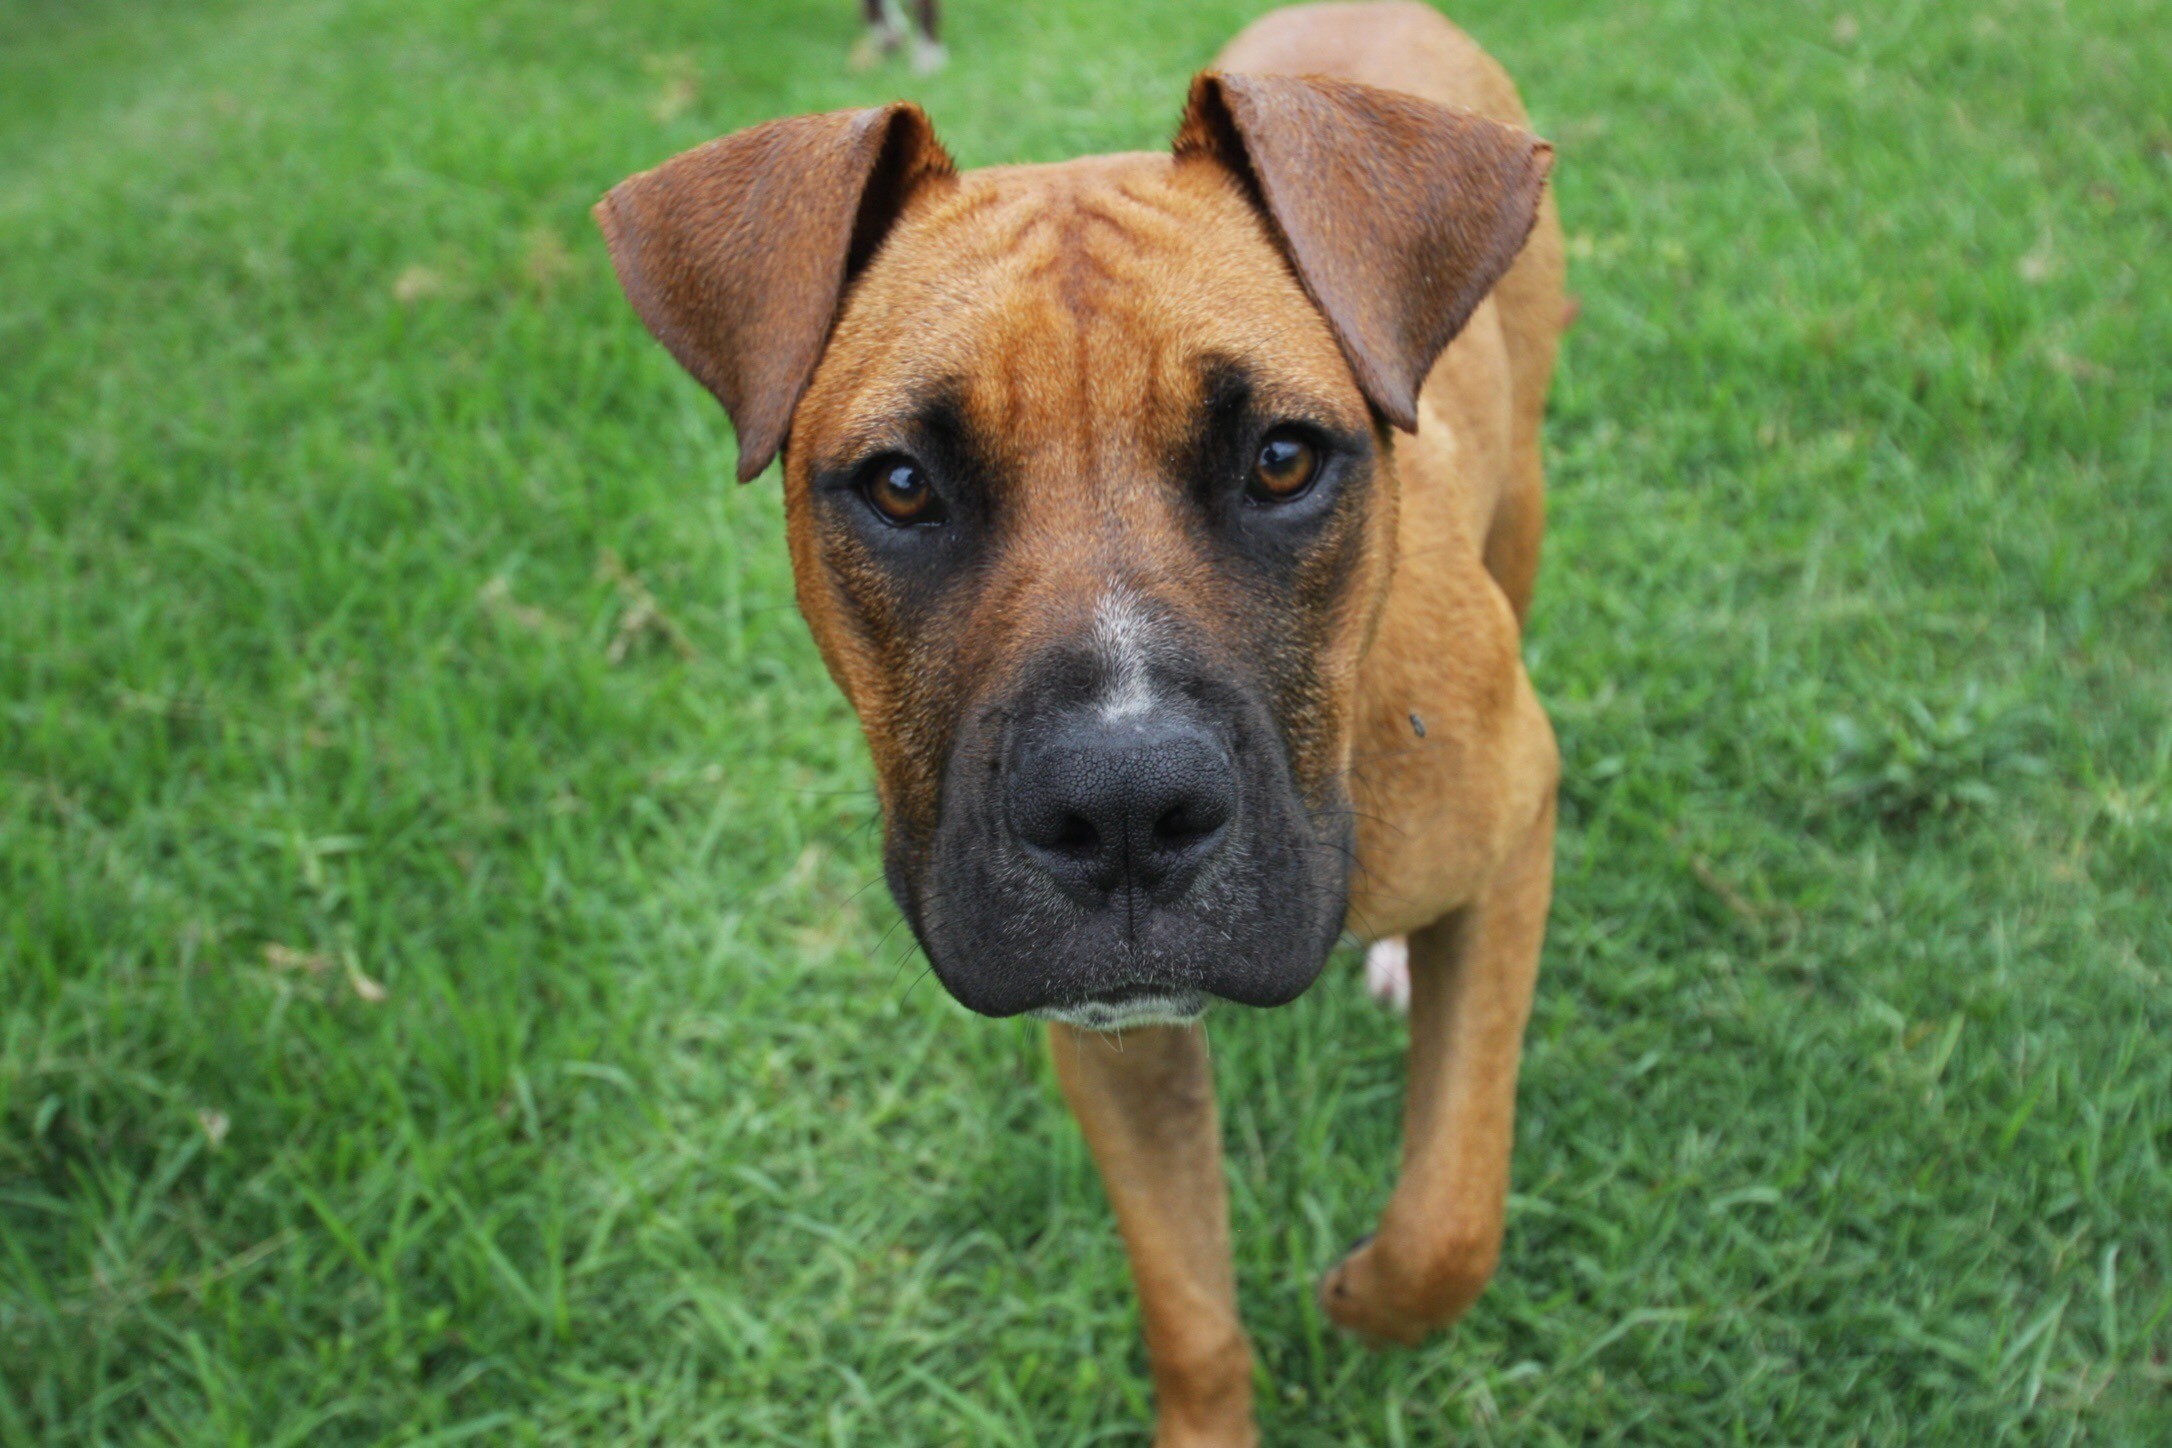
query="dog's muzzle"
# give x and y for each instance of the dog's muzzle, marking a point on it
(1115, 857)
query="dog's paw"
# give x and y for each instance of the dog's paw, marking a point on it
(1387, 1304)
(1349, 1294)
(1387, 972)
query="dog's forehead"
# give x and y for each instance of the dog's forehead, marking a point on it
(1045, 297)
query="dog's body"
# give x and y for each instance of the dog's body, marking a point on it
(1150, 727)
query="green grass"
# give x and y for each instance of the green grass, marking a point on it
(1847, 1113)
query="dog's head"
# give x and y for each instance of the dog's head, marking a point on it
(1090, 494)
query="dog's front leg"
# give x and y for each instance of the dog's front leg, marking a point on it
(1146, 1103)
(1471, 977)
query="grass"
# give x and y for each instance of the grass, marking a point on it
(443, 992)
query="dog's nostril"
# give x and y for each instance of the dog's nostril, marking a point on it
(1185, 822)
(1075, 835)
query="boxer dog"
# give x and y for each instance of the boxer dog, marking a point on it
(1169, 520)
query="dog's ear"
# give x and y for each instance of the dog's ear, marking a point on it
(1398, 214)
(737, 253)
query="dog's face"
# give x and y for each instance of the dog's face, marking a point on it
(1090, 518)
(1092, 508)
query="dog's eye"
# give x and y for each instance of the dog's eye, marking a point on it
(898, 490)
(1284, 468)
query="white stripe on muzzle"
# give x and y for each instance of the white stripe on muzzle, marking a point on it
(1122, 643)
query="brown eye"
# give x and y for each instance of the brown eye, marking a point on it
(899, 490)
(1285, 467)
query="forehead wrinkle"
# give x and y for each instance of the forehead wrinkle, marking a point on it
(1074, 302)
(906, 321)
(1161, 204)
(1087, 270)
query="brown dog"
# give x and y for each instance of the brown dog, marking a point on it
(1168, 519)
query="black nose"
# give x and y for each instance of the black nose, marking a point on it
(1109, 804)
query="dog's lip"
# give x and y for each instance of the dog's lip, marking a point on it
(1129, 1005)
(1125, 994)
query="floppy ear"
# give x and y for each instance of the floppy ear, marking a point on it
(1398, 214)
(736, 253)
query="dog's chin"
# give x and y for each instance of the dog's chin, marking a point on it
(1130, 1010)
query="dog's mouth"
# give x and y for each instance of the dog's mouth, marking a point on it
(1128, 1007)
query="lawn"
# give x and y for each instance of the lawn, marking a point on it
(445, 989)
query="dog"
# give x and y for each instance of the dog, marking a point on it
(1169, 520)
(887, 24)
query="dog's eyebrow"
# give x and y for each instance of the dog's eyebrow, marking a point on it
(1225, 386)
(930, 424)
(945, 435)
(1232, 390)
